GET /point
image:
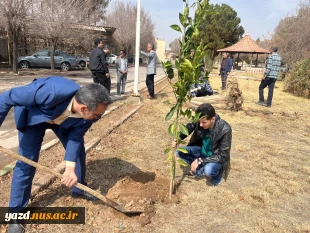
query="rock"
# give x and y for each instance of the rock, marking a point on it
(142, 201)
(144, 221)
(129, 204)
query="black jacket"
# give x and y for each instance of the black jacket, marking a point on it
(98, 61)
(221, 136)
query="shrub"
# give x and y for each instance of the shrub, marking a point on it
(298, 80)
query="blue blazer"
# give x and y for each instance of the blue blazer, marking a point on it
(46, 99)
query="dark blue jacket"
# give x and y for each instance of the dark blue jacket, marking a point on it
(42, 100)
(228, 65)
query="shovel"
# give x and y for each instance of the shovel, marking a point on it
(108, 201)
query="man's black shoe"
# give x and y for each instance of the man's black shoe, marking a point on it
(86, 196)
(261, 103)
(16, 228)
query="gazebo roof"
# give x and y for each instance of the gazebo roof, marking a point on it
(245, 45)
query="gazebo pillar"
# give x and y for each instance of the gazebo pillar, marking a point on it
(256, 60)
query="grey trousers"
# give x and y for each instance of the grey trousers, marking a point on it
(121, 82)
(224, 79)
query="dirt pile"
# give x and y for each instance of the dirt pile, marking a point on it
(234, 100)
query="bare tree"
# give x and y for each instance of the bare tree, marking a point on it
(96, 10)
(123, 17)
(292, 35)
(57, 20)
(175, 46)
(14, 12)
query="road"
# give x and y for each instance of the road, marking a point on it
(8, 132)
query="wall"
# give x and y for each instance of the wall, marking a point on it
(160, 49)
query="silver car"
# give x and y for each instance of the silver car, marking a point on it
(42, 58)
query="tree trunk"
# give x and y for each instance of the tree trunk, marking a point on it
(172, 176)
(9, 47)
(52, 56)
(15, 45)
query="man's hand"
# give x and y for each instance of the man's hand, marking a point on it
(107, 74)
(174, 143)
(195, 164)
(69, 177)
(263, 78)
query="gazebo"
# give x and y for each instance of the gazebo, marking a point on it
(245, 45)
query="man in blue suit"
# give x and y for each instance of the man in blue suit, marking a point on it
(226, 65)
(61, 105)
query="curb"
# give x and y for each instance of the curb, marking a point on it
(44, 181)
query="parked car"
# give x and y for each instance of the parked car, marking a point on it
(112, 58)
(132, 59)
(42, 58)
(82, 61)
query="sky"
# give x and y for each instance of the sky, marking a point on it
(258, 17)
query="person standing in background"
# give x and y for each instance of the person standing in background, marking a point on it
(150, 69)
(225, 68)
(121, 66)
(269, 79)
(98, 64)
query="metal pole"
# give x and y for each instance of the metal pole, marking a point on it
(184, 4)
(136, 81)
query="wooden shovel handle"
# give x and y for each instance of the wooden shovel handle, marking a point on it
(111, 203)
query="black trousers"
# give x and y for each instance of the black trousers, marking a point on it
(270, 82)
(101, 78)
(150, 84)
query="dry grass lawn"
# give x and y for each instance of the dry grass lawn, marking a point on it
(268, 189)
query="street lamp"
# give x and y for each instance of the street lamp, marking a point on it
(137, 57)
(184, 4)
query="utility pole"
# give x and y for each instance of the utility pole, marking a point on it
(184, 5)
(137, 57)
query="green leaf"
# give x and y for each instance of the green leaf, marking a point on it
(197, 117)
(168, 65)
(186, 66)
(180, 161)
(186, 11)
(188, 113)
(177, 64)
(182, 150)
(171, 76)
(170, 71)
(169, 157)
(176, 27)
(189, 32)
(182, 19)
(172, 129)
(184, 130)
(167, 151)
(170, 114)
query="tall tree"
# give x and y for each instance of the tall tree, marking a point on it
(220, 28)
(56, 19)
(96, 10)
(292, 35)
(175, 46)
(15, 12)
(123, 16)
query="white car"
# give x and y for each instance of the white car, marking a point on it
(112, 58)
